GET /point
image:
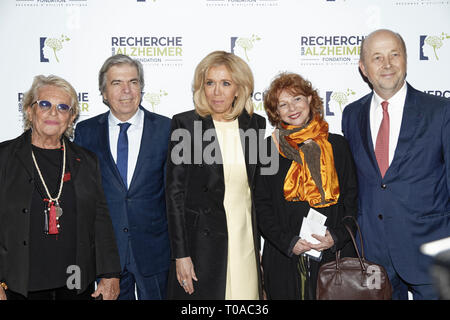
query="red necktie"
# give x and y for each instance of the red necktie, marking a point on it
(382, 144)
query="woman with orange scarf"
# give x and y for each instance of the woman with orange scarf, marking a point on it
(316, 171)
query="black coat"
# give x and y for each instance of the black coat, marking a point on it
(96, 246)
(280, 222)
(196, 215)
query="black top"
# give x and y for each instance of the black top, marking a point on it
(280, 223)
(96, 247)
(50, 255)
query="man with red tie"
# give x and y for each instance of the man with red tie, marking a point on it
(400, 141)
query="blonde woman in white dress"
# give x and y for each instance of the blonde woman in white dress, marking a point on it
(209, 185)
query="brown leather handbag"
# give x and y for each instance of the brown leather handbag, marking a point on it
(353, 278)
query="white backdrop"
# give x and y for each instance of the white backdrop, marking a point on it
(317, 38)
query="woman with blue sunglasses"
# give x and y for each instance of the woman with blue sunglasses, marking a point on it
(56, 235)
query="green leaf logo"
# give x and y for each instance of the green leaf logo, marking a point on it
(154, 98)
(247, 44)
(56, 44)
(342, 97)
(436, 42)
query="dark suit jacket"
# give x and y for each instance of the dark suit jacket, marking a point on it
(195, 192)
(96, 246)
(411, 204)
(280, 222)
(139, 213)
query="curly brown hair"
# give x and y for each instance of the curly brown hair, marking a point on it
(295, 85)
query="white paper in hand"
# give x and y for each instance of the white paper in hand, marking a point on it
(316, 216)
(313, 224)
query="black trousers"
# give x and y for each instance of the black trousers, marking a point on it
(62, 293)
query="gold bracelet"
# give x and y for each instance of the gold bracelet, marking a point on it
(3, 285)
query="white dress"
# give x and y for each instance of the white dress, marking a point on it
(242, 275)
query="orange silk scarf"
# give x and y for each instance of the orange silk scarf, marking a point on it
(301, 183)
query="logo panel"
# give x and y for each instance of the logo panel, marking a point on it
(49, 48)
(430, 46)
(330, 49)
(152, 50)
(241, 46)
(335, 101)
(154, 98)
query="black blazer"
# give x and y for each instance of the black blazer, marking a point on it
(194, 196)
(96, 246)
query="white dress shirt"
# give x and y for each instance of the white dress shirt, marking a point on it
(134, 133)
(395, 110)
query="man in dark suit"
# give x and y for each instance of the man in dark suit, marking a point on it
(400, 142)
(131, 144)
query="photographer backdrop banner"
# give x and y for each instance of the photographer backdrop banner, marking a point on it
(318, 39)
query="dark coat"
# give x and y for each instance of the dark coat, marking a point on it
(138, 213)
(96, 245)
(195, 193)
(280, 222)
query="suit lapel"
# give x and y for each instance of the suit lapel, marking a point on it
(366, 134)
(244, 123)
(23, 152)
(216, 166)
(412, 115)
(105, 151)
(73, 159)
(146, 146)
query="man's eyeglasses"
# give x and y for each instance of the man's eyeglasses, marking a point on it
(47, 105)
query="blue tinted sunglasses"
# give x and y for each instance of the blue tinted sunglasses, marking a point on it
(47, 105)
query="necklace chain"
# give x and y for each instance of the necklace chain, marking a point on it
(62, 175)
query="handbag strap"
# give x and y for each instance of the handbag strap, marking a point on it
(360, 256)
(351, 234)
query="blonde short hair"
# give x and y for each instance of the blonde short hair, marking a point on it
(241, 74)
(55, 81)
